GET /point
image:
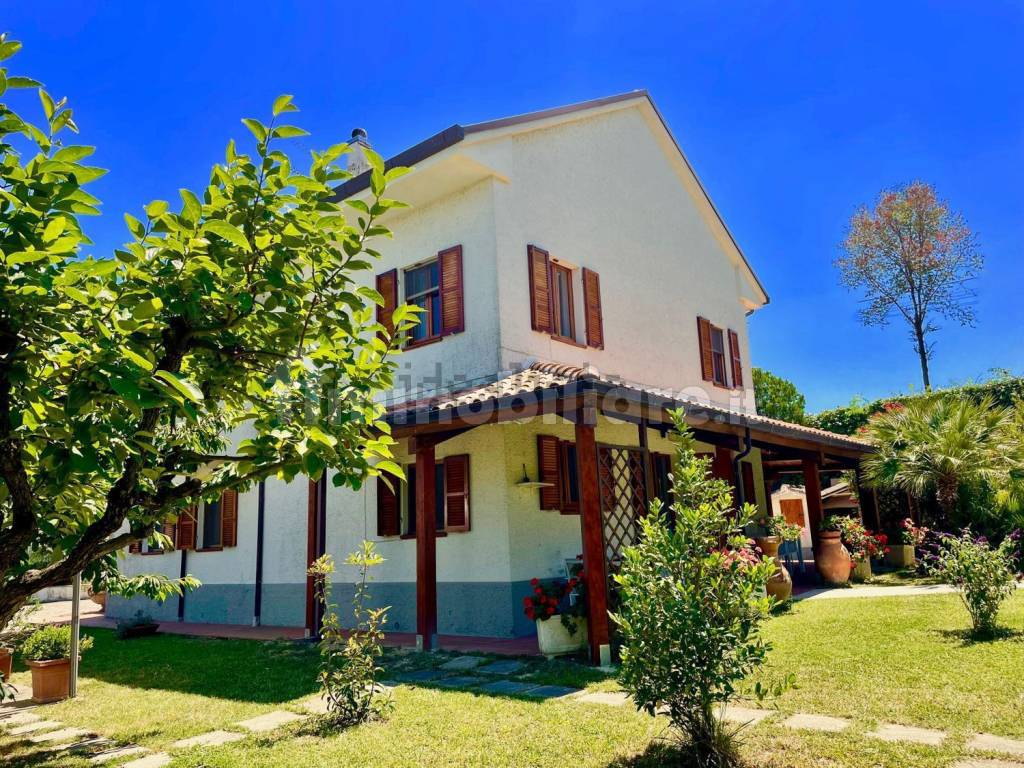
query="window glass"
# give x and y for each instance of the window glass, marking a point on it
(422, 289)
(211, 524)
(571, 490)
(718, 354)
(561, 278)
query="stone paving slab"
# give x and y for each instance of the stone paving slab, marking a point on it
(507, 687)
(990, 743)
(317, 705)
(19, 718)
(893, 732)
(156, 760)
(458, 682)
(422, 676)
(463, 663)
(746, 715)
(114, 754)
(211, 739)
(63, 734)
(608, 698)
(39, 725)
(503, 667)
(87, 745)
(270, 721)
(985, 764)
(551, 692)
(817, 723)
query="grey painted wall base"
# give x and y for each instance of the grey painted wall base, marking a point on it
(482, 609)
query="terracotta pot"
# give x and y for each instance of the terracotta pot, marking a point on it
(832, 559)
(900, 556)
(6, 660)
(861, 571)
(100, 598)
(780, 585)
(51, 680)
(554, 639)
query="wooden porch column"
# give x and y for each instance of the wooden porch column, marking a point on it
(593, 536)
(648, 469)
(812, 489)
(426, 546)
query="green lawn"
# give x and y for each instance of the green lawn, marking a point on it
(902, 659)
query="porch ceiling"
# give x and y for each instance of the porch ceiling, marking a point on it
(551, 388)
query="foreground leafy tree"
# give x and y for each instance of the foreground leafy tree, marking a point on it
(692, 602)
(913, 257)
(778, 398)
(119, 377)
(943, 444)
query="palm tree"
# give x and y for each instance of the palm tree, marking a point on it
(942, 443)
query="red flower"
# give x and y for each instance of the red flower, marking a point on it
(538, 591)
(534, 582)
(550, 611)
(527, 601)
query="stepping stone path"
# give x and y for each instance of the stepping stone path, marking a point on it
(118, 752)
(507, 687)
(270, 721)
(211, 739)
(317, 705)
(64, 734)
(985, 764)
(422, 676)
(608, 698)
(817, 723)
(156, 760)
(38, 725)
(990, 743)
(551, 692)
(19, 718)
(463, 663)
(504, 667)
(746, 715)
(892, 732)
(457, 682)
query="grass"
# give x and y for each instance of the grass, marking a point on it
(902, 659)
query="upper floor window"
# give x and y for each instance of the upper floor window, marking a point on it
(423, 289)
(553, 287)
(716, 364)
(561, 295)
(718, 356)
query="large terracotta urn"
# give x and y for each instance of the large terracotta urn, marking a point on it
(6, 662)
(780, 585)
(833, 561)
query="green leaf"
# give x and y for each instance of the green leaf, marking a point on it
(71, 154)
(143, 363)
(147, 309)
(283, 103)
(9, 48)
(289, 132)
(193, 208)
(54, 229)
(22, 82)
(227, 231)
(26, 257)
(134, 226)
(157, 208)
(376, 161)
(185, 387)
(47, 102)
(258, 129)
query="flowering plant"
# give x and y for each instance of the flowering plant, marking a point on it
(911, 534)
(861, 543)
(777, 526)
(546, 599)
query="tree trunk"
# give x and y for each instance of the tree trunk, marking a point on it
(922, 353)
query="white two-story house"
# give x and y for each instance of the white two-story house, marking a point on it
(578, 282)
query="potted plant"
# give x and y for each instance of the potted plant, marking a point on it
(569, 633)
(47, 651)
(832, 558)
(139, 625)
(780, 585)
(860, 544)
(904, 553)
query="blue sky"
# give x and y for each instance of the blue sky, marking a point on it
(793, 114)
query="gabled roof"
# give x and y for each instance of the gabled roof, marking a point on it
(457, 133)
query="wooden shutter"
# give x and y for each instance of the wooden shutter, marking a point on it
(456, 493)
(229, 519)
(707, 363)
(749, 489)
(387, 509)
(550, 470)
(592, 308)
(169, 529)
(187, 529)
(541, 313)
(387, 286)
(135, 548)
(737, 364)
(449, 270)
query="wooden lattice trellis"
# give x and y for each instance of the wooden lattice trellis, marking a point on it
(621, 480)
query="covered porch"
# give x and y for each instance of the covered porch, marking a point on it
(613, 483)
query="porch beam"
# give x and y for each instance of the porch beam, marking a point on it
(426, 546)
(812, 490)
(593, 536)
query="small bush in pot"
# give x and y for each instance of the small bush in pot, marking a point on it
(565, 601)
(982, 574)
(47, 651)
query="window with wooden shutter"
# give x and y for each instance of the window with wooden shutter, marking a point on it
(387, 286)
(549, 463)
(569, 478)
(456, 493)
(734, 354)
(169, 529)
(452, 301)
(592, 308)
(187, 529)
(749, 489)
(707, 363)
(229, 518)
(540, 290)
(387, 508)
(135, 548)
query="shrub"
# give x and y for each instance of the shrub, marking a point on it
(50, 643)
(348, 659)
(983, 575)
(692, 600)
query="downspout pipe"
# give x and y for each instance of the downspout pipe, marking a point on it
(260, 514)
(737, 475)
